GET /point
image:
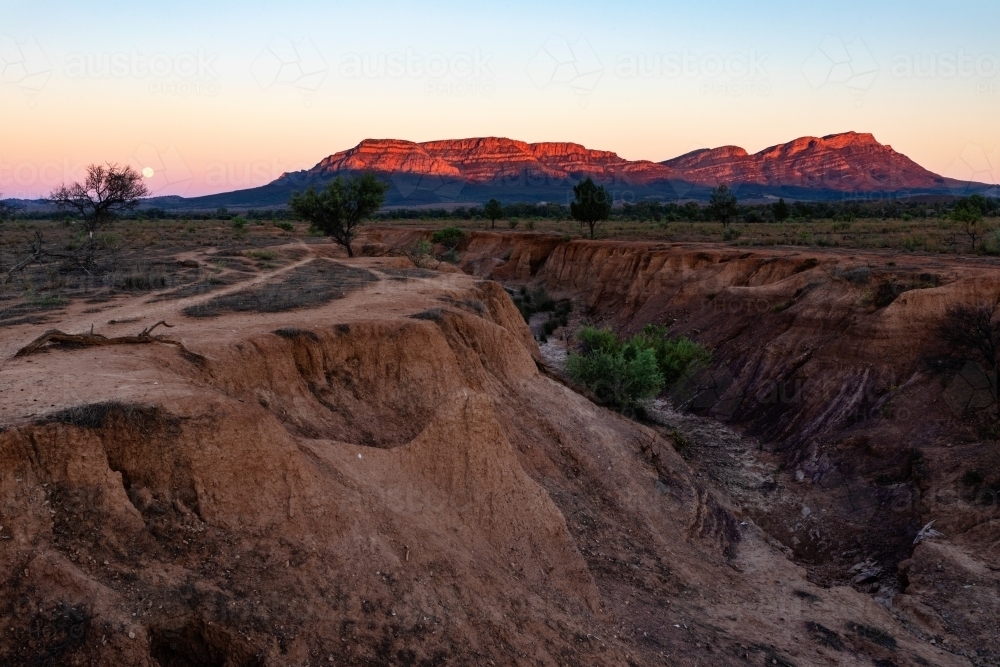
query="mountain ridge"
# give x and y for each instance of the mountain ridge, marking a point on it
(473, 170)
(845, 162)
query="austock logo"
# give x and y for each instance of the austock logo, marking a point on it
(560, 63)
(836, 62)
(23, 64)
(284, 62)
(976, 165)
(735, 74)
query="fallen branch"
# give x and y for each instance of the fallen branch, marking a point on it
(56, 337)
(36, 253)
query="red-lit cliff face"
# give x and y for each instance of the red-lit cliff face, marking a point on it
(490, 159)
(849, 161)
(843, 162)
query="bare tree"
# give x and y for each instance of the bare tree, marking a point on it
(974, 331)
(108, 190)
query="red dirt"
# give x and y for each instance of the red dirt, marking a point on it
(384, 479)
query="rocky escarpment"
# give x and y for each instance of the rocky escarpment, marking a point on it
(842, 162)
(383, 478)
(846, 162)
(485, 160)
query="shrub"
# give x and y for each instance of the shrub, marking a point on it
(534, 301)
(239, 222)
(619, 375)
(618, 372)
(420, 248)
(887, 292)
(597, 340)
(677, 357)
(731, 234)
(449, 237)
(264, 255)
(285, 225)
(142, 281)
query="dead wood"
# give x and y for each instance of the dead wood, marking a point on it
(54, 337)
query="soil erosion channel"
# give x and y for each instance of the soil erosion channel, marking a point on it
(362, 462)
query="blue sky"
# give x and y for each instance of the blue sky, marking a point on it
(217, 96)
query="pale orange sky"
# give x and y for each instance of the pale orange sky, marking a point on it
(212, 112)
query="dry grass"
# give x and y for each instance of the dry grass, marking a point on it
(132, 256)
(934, 235)
(313, 284)
(142, 256)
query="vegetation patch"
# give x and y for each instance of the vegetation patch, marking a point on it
(293, 333)
(204, 286)
(874, 635)
(825, 636)
(431, 314)
(29, 312)
(449, 237)
(307, 286)
(141, 418)
(886, 293)
(622, 374)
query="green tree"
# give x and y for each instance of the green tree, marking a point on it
(449, 237)
(780, 210)
(978, 202)
(592, 204)
(723, 205)
(340, 208)
(968, 213)
(494, 211)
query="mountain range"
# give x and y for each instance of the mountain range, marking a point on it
(454, 172)
(470, 171)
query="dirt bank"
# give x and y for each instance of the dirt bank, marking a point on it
(830, 361)
(381, 476)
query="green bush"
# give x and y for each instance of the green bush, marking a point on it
(621, 377)
(533, 301)
(286, 226)
(622, 374)
(449, 237)
(676, 357)
(597, 340)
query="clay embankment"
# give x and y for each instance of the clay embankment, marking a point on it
(383, 479)
(832, 362)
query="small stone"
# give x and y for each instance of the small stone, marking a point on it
(131, 634)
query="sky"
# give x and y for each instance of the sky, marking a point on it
(216, 96)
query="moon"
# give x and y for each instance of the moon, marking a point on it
(148, 172)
